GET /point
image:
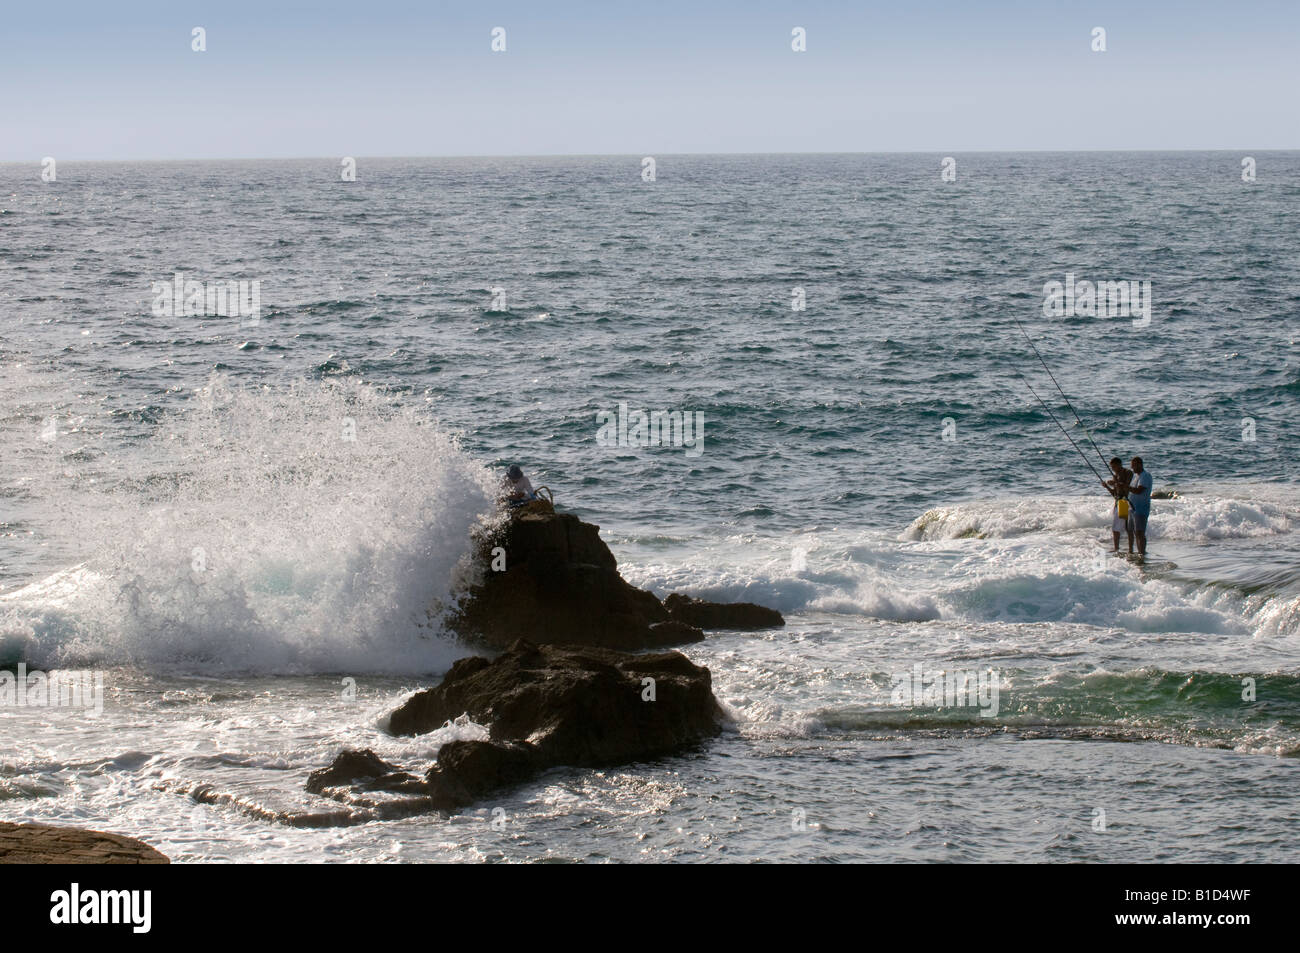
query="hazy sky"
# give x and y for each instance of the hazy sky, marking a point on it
(92, 79)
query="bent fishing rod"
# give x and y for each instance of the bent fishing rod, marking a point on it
(1087, 433)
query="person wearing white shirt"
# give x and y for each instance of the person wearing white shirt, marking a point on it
(517, 487)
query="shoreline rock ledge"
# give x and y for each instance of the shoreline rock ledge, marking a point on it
(560, 585)
(544, 706)
(47, 844)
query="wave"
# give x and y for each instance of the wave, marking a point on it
(320, 527)
(1109, 599)
(1104, 598)
(988, 562)
(1248, 711)
(833, 590)
(1191, 518)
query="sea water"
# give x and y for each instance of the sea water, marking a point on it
(251, 525)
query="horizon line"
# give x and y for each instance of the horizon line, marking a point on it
(611, 155)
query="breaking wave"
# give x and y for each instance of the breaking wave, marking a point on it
(321, 527)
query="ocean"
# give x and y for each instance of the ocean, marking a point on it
(240, 523)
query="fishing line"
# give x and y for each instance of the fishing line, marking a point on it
(1086, 432)
(1062, 426)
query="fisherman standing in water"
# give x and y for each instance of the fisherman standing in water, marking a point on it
(1139, 495)
(1121, 515)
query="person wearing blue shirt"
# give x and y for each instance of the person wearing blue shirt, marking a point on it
(1139, 498)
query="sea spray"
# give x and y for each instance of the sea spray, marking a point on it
(321, 526)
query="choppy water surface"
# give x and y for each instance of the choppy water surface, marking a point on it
(230, 519)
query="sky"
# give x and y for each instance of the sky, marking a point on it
(89, 79)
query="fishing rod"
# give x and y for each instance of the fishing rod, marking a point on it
(1087, 433)
(1062, 426)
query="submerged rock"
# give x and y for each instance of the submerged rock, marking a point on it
(721, 615)
(543, 706)
(548, 577)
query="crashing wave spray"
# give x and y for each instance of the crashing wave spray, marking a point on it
(320, 527)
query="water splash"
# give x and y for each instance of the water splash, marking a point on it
(317, 527)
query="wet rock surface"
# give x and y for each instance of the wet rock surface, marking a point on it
(544, 706)
(556, 582)
(721, 615)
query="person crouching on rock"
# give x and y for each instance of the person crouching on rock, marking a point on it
(516, 488)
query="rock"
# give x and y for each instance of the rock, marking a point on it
(561, 585)
(44, 844)
(721, 615)
(365, 771)
(674, 630)
(576, 705)
(467, 770)
(543, 706)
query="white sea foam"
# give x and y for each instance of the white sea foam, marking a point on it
(252, 533)
(1192, 518)
(995, 562)
(879, 601)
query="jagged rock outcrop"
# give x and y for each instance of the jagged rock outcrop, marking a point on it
(560, 584)
(556, 582)
(563, 692)
(578, 705)
(543, 706)
(721, 615)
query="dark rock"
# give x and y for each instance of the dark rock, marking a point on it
(543, 706)
(675, 630)
(576, 705)
(721, 615)
(467, 770)
(365, 771)
(348, 767)
(561, 585)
